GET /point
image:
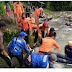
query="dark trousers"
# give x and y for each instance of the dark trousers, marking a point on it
(27, 37)
(36, 36)
(8, 61)
(27, 15)
(19, 58)
(60, 57)
(26, 62)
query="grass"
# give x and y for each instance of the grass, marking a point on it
(51, 13)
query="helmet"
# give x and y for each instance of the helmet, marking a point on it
(70, 43)
(45, 24)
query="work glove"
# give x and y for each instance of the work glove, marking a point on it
(8, 57)
(31, 50)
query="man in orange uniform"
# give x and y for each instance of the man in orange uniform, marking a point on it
(47, 44)
(46, 48)
(26, 27)
(41, 29)
(37, 12)
(18, 10)
(31, 22)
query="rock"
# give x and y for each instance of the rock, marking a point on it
(8, 20)
(70, 20)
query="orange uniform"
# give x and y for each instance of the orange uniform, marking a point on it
(37, 13)
(18, 10)
(47, 44)
(39, 28)
(25, 24)
(31, 23)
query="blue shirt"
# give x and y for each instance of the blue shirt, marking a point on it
(20, 42)
(41, 61)
(68, 51)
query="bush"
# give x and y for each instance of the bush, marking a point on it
(2, 7)
(8, 35)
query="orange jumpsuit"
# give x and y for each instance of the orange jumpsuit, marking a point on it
(41, 29)
(25, 24)
(37, 13)
(31, 23)
(47, 44)
(18, 10)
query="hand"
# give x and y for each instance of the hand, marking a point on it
(9, 57)
(59, 50)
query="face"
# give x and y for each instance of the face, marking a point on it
(7, 4)
(23, 37)
(28, 6)
(70, 46)
(3, 28)
(18, 1)
(23, 16)
(52, 31)
(30, 15)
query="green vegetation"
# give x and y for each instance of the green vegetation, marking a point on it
(8, 35)
(2, 7)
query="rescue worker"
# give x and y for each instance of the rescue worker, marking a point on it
(37, 12)
(46, 48)
(31, 22)
(15, 47)
(52, 30)
(3, 53)
(41, 10)
(36, 60)
(26, 27)
(18, 10)
(7, 8)
(68, 49)
(47, 44)
(41, 29)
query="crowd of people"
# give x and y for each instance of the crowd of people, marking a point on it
(45, 57)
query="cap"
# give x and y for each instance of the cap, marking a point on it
(2, 23)
(23, 34)
(52, 29)
(45, 24)
(53, 57)
(70, 43)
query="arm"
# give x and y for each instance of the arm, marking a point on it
(39, 31)
(1, 43)
(47, 31)
(5, 9)
(22, 9)
(2, 47)
(15, 9)
(25, 47)
(10, 45)
(65, 51)
(33, 21)
(56, 45)
(50, 65)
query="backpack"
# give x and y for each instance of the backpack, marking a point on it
(16, 49)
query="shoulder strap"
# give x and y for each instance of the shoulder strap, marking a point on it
(15, 40)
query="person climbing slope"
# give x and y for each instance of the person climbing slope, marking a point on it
(18, 10)
(7, 8)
